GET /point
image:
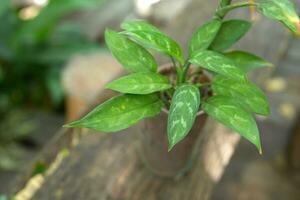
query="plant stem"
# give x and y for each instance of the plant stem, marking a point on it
(221, 12)
(200, 85)
(177, 69)
(173, 62)
(186, 67)
(179, 72)
(205, 84)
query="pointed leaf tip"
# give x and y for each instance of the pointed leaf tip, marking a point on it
(183, 112)
(228, 112)
(260, 151)
(283, 11)
(247, 61)
(72, 124)
(119, 113)
(170, 147)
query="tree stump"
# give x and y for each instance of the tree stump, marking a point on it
(109, 167)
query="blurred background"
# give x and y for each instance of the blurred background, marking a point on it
(54, 65)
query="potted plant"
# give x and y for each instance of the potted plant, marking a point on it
(175, 99)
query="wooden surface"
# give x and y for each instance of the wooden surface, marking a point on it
(108, 166)
(245, 176)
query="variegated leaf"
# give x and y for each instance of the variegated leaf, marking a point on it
(131, 55)
(218, 63)
(204, 36)
(228, 112)
(158, 42)
(120, 113)
(183, 111)
(140, 83)
(248, 94)
(247, 61)
(139, 26)
(283, 11)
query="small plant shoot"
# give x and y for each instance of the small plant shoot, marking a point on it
(228, 96)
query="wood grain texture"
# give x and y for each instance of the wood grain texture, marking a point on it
(109, 167)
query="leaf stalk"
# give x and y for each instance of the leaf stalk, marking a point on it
(223, 11)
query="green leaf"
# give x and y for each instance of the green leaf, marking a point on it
(139, 26)
(247, 61)
(248, 94)
(224, 3)
(283, 11)
(228, 112)
(140, 83)
(218, 63)
(131, 55)
(120, 113)
(158, 42)
(230, 32)
(183, 112)
(204, 36)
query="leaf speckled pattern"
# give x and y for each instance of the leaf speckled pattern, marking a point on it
(139, 26)
(158, 42)
(140, 83)
(183, 112)
(131, 55)
(283, 11)
(228, 112)
(248, 94)
(204, 36)
(247, 61)
(120, 113)
(218, 63)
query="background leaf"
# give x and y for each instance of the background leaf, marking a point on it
(40, 28)
(5, 5)
(230, 32)
(158, 42)
(218, 63)
(248, 94)
(204, 36)
(283, 11)
(131, 55)
(247, 61)
(228, 112)
(140, 83)
(183, 112)
(120, 113)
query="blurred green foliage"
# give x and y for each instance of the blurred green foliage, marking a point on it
(12, 152)
(32, 52)
(39, 168)
(4, 197)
